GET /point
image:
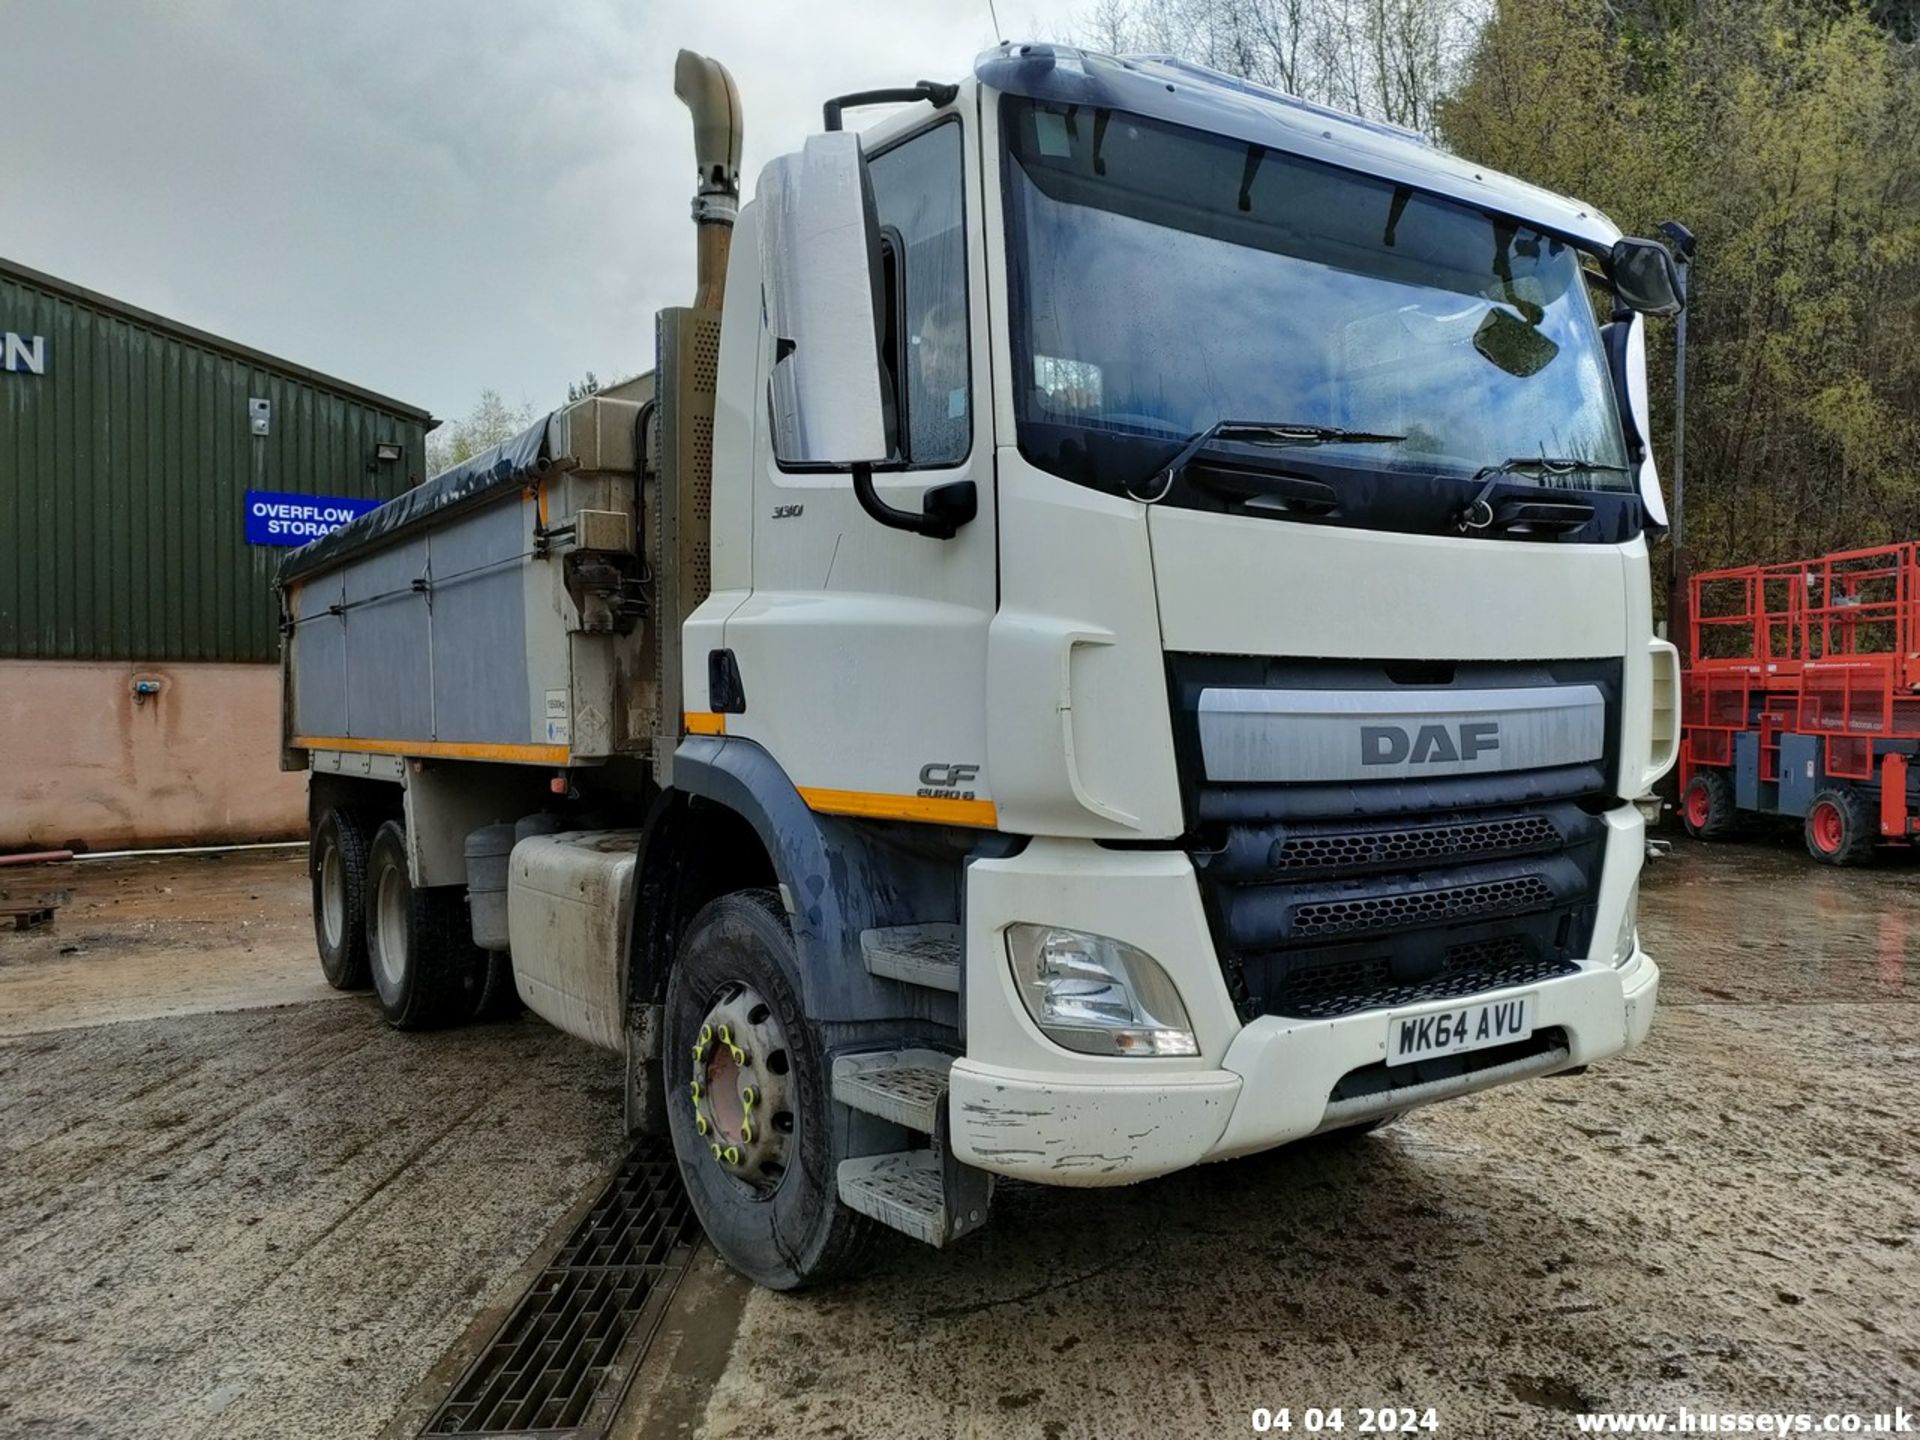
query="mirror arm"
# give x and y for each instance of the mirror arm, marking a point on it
(944, 508)
(935, 93)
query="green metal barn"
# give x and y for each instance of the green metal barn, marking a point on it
(151, 478)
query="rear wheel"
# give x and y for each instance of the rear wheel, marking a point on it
(426, 969)
(749, 1104)
(337, 858)
(1840, 828)
(1706, 805)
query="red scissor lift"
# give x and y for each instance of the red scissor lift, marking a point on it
(1802, 698)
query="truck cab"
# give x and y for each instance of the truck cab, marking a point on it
(1151, 586)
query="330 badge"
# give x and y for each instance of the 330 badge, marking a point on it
(947, 780)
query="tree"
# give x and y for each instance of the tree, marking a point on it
(1387, 59)
(491, 421)
(1783, 133)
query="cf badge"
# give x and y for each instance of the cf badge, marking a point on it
(947, 781)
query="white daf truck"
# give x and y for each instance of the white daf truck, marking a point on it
(1115, 635)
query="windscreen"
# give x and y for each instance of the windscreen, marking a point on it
(1167, 280)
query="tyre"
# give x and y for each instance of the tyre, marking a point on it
(1706, 805)
(1841, 827)
(749, 1100)
(426, 969)
(337, 858)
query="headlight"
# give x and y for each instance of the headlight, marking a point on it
(1098, 995)
(1629, 937)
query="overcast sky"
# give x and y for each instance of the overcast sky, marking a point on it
(428, 199)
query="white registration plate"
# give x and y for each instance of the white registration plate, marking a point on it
(1456, 1031)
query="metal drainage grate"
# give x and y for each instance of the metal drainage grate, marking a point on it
(559, 1361)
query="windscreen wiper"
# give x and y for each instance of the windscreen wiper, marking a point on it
(1477, 513)
(1251, 432)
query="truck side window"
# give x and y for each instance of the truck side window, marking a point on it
(917, 191)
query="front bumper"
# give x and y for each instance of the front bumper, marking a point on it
(1023, 1106)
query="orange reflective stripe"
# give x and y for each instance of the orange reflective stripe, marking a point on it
(439, 749)
(705, 722)
(927, 809)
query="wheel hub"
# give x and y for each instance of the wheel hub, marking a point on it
(740, 1088)
(391, 900)
(1828, 828)
(333, 895)
(1697, 807)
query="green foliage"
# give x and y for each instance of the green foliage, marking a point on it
(1786, 135)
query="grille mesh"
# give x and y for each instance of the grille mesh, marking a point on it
(1413, 844)
(1350, 986)
(1420, 907)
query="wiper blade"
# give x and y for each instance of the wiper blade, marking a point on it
(1548, 465)
(1254, 432)
(1477, 513)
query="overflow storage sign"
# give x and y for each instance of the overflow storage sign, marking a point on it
(274, 518)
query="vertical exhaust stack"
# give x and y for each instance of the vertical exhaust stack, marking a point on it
(709, 92)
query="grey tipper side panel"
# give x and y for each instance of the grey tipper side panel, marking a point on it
(320, 640)
(401, 664)
(1284, 735)
(387, 633)
(501, 604)
(480, 686)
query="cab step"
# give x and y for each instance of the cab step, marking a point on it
(904, 1086)
(921, 1193)
(925, 1193)
(926, 955)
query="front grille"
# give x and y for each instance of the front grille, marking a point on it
(1420, 907)
(1350, 986)
(1333, 898)
(1408, 845)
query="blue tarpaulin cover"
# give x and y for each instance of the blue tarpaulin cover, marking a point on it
(507, 465)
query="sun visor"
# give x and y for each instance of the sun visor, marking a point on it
(1182, 93)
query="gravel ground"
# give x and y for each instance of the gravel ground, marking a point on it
(274, 1221)
(266, 1222)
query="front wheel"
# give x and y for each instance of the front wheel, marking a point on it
(749, 1103)
(1840, 828)
(426, 969)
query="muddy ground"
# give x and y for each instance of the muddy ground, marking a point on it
(234, 1204)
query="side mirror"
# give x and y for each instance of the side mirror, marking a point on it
(820, 274)
(1644, 277)
(1641, 408)
(820, 270)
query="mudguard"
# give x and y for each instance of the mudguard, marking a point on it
(837, 877)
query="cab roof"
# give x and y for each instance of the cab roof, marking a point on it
(1180, 92)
